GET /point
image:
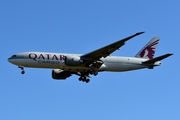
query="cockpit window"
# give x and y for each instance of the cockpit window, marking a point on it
(14, 56)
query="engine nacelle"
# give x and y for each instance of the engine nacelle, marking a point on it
(73, 60)
(60, 74)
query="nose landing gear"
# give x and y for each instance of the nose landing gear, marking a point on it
(22, 68)
(22, 72)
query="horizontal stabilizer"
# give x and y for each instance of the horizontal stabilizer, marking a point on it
(157, 59)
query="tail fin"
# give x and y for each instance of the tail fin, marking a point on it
(149, 49)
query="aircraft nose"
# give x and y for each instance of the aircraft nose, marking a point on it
(11, 60)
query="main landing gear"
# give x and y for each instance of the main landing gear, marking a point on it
(93, 72)
(84, 76)
(84, 79)
(22, 68)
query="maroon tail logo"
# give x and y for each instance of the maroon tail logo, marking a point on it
(149, 50)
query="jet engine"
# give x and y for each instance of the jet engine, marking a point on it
(73, 60)
(59, 74)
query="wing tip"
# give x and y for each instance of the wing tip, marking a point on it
(138, 33)
(169, 54)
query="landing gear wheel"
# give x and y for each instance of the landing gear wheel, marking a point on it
(80, 79)
(22, 72)
(22, 68)
(87, 80)
(84, 79)
(95, 74)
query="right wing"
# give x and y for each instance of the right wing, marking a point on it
(107, 50)
(93, 58)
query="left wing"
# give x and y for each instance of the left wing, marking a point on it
(107, 50)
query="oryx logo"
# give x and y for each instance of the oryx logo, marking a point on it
(149, 50)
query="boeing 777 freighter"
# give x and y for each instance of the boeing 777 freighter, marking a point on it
(64, 65)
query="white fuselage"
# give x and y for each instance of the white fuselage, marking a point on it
(57, 61)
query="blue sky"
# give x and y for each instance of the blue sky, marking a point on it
(82, 26)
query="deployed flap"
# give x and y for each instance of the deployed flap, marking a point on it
(107, 50)
(157, 59)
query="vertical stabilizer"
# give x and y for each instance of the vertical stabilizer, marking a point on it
(149, 49)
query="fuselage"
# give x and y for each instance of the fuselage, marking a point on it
(57, 61)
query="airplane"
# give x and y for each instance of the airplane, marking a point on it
(65, 65)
